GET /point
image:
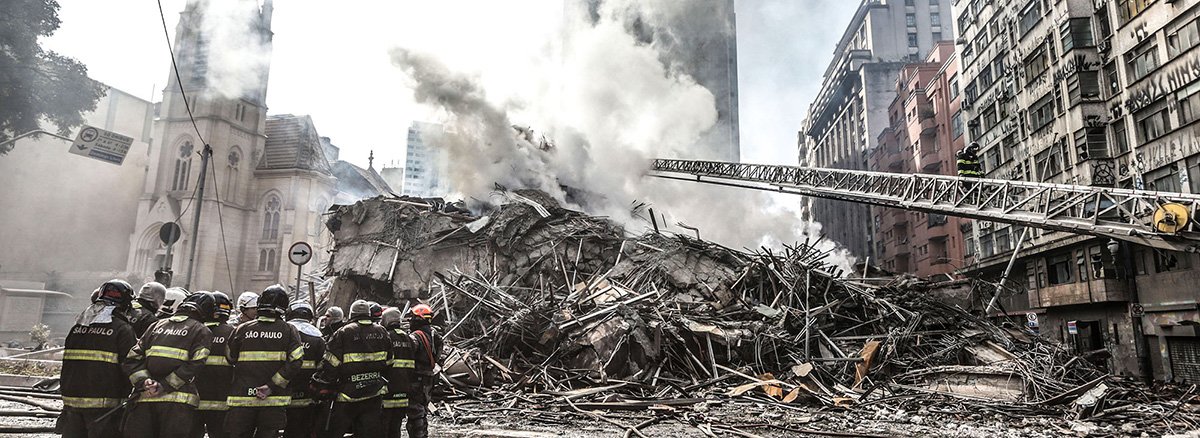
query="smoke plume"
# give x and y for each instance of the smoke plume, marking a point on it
(237, 57)
(612, 100)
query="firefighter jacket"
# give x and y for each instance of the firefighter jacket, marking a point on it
(968, 165)
(140, 317)
(91, 368)
(266, 351)
(314, 350)
(172, 352)
(216, 376)
(399, 374)
(427, 350)
(356, 357)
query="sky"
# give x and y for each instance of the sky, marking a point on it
(332, 61)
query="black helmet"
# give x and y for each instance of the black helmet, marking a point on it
(200, 302)
(376, 312)
(222, 307)
(300, 310)
(274, 300)
(115, 292)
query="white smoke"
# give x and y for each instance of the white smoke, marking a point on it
(611, 103)
(238, 57)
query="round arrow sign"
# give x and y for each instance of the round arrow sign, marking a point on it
(169, 233)
(300, 253)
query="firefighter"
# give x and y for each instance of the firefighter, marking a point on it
(149, 299)
(174, 298)
(376, 312)
(399, 374)
(92, 382)
(247, 309)
(266, 354)
(356, 357)
(968, 162)
(302, 413)
(333, 320)
(216, 376)
(427, 351)
(161, 367)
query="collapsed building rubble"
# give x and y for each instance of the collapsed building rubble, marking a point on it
(550, 307)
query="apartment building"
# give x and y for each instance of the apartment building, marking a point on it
(1099, 93)
(851, 110)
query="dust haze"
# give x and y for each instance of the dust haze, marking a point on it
(609, 99)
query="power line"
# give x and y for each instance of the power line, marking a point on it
(175, 68)
(221, 222)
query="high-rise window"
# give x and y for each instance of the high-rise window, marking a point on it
(1153, 125)
(912, 40)
(183, 167)
(1127, 9)
(1076, 32)
(1141, 61)
(935, 19)
(910, 20)
(956, 124)
(1030, 16)
(1184, 38)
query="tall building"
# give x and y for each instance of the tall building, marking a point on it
(1071, 92)
(923, 138)
(851, 110)
(697, 37)
(426, 168)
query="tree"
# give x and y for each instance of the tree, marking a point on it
(37, 84)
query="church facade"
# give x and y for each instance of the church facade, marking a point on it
(266, 184)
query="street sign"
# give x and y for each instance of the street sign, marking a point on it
(1072, 328)
(300, 253)
(169, 233)
(102, 145)
(1136, 310)
(1032, 318)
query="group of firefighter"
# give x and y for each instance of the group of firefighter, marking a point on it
(167, 363)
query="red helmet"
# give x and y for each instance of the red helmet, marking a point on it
(422, 311)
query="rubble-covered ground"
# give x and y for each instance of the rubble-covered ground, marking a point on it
(557, 321)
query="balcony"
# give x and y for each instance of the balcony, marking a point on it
(928, 127)
(1099, 290)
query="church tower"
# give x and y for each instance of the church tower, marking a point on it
(222, 49)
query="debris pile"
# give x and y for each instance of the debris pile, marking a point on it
(550, 306)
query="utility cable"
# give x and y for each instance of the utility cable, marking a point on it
(178, 79)
(221, 222)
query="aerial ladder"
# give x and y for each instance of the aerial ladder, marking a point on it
(1157, 219)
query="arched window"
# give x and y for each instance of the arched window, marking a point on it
(231, 178)
(267, 260)
(183, 167)
(271, 218)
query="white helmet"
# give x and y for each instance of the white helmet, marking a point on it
(175, 297)
(247, 300)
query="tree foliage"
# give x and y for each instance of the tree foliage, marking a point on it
(39, 85)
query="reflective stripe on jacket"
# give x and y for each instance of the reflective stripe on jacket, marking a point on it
(172, 352)
(91, 368)
(266, 351)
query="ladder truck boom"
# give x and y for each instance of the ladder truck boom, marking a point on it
(1157, 219)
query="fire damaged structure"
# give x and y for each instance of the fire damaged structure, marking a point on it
(551, 309)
